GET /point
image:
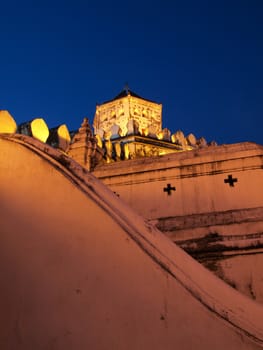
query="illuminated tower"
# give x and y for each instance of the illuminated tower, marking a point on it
(124, 111)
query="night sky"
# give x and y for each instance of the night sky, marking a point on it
(203, 60)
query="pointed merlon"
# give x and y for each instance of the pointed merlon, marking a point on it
(7, 123)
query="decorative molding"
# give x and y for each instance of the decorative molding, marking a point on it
(173, 224)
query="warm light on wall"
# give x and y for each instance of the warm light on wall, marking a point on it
(39, 129)
(7, 123)
(99, 141)
(63, 137)
(160, 135)
(144, 132)
(126, 151)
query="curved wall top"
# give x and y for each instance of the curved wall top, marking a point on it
(80, 270)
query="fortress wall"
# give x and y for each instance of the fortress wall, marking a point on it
(81, 270)
(206, 216)
(198, 177)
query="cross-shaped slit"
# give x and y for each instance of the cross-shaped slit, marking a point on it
(169, 189)
(230, 181)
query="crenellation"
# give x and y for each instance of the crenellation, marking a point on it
(205, 198)
(7, 123)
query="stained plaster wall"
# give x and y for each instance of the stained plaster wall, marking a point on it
(209, 218)
(198, 177)
(80, 270)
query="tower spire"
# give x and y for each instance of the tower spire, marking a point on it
(126, 88)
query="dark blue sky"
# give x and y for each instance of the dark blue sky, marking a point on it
(203, 60)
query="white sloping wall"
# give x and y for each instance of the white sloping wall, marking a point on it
(80, 270)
